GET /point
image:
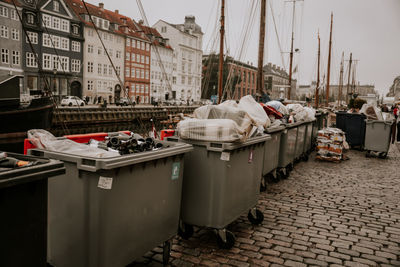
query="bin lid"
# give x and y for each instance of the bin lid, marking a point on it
(96, 164)
(274, 129)
(42, 169)
(223, 146)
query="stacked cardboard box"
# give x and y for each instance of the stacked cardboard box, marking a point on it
(330, 143)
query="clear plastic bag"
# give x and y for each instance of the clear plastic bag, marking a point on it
(217, 130)
(255, 111)
(278, 106)
(45, 140)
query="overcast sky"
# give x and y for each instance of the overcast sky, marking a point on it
(370, 29)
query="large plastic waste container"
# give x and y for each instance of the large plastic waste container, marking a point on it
(287, 150)
(341, 120)
(107, 212)
(308, 138)
(354, 128)
(221, 182)
(23, 206)
(301, 133)
(320, 120)
(271, 152)
(377, 137)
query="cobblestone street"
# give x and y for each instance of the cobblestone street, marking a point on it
(324, 214)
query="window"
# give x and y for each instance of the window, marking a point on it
(32, 82)
(106, 24)
(142, 74)
(4, 31)
(137, 73)
(142, 59)
(133, 43)
(105, 69)
(55, 62)
(56, 6)
(56, 41)
(99, 87)
(118, 70)
(15, 34)
(64, 25)
(128, 56)
(90, 48)
(183, 79)
(76, 46)
(99, 68)
(65, 63)
(133, 72)
(64, 44)
(90, 67)
(163, 29)
(128, 42)
(15, 58)
(4, 11)
(14, 15)
(90, 85)
(133, 56)
(47, 62)
(99, 50)
(33, 37)
(30, 60)
(46, 20)
(111, 52)
(147, 60)
(110, 70)
(147, 74)
(30, 18)
(189, 80)
(75, 65)
(56, 23)
(127, 72)
(147, 47)
(142, 45)
(4, 56)
(75, 30)
(118, 54)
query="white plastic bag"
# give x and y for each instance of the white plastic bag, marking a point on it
(255, 111)
(371, 112)
(45, 140)
(310, 113)
(217, 130)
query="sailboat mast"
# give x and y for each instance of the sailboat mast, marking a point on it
(221, 51)
(317, 87)
(260, 76)
(341, 82)
(291, 52)
(329, 64)
(348, 78)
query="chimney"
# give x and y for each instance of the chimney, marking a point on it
(101, 5)
(117, 11)
(141, 22)
(269, 64)
(274, 67)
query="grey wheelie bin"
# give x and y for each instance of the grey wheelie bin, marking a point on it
(320, 120)
(377, 137)
(23, 205)
(271, 153)
(314, 132)
(221, 182)
(107, 212)
(301, 133)
(308, 138)
(287, 150)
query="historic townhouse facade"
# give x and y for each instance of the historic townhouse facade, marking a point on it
(137, 58)
(10, 41)
(186, 40)
(55, 34)
(161, 66)
(100, 79)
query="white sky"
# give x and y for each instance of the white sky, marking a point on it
(367, 28)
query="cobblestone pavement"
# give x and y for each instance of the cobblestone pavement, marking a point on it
(324, 214)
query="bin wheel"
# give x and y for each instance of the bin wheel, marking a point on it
(185, 230)
(228, 243)
(383, 155)
(255, 220)
(263, 185)
(166, 252)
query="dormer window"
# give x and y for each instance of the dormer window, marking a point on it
(75, 29)
(30, 18)
(106, 24)
(56, 6)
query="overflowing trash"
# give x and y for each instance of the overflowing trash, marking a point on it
(114, 145)
(330, 144)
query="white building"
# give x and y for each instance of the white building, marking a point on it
(186, 41)
(99, 77)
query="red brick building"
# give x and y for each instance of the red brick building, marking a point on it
(137, 58)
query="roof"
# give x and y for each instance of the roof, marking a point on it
(113, 17)
(270, 69)
(10, 2)
(155, 36)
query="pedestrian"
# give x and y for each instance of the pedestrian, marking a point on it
(397, 110)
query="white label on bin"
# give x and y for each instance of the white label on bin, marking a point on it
(225, 156)
(250, 156)
(105, 182)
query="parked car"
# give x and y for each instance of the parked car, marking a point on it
(123, 102)
(72, 101)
